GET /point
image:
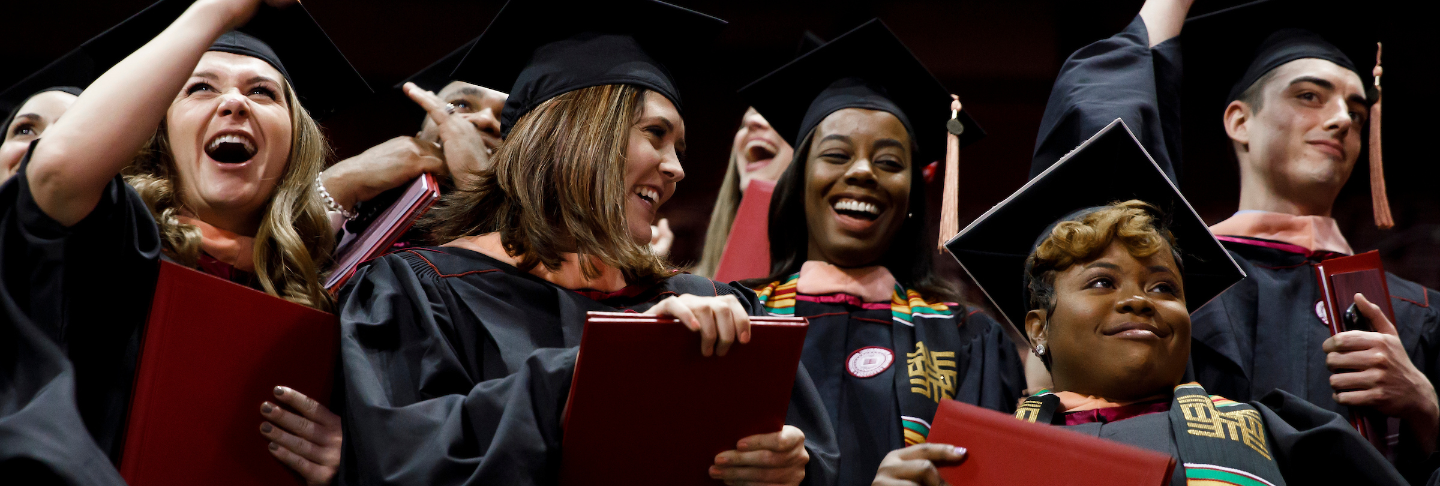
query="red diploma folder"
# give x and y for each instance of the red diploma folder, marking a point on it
(1340, 279)
(385, 230)
(1002, 449)
(646, 408)
(212, 352)
(747, 249)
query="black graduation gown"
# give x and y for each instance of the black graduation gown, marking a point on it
(1263, 333)
(1310, 444)
(456, 368)
(866, 409)
(87, 288)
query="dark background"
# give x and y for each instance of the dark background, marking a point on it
(1000, 56)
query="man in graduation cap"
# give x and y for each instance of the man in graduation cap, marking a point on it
(1289, 81)
(459, 130)
(1102, 261)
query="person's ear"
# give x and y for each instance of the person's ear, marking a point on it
(1036, 328)
(1237, 122)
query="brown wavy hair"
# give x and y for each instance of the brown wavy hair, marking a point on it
(294, 241)
(556, 185)
(1135, 224)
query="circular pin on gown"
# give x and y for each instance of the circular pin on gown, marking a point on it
(869, 361)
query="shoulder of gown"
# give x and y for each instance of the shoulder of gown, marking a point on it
(1316, 446)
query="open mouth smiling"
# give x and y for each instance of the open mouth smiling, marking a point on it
(857, 208)
(231, 148)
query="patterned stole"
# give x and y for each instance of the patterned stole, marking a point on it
(1220, 442)
(931, 373)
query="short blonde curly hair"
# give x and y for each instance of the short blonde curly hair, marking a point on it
(1136, 224)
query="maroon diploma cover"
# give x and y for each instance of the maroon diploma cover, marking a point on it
(646, 408)
(212, 352)
(1340, 279)
(1002, 449)
(747, 249)
(385, 230)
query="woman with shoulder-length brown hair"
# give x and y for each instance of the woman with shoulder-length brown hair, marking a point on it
(193, 148)
(457, 358)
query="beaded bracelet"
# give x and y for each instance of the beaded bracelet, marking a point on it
(330, 201)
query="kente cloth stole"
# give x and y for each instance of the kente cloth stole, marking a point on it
(931, 371)
(1219, 441)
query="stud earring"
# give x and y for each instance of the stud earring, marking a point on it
(1040, 350)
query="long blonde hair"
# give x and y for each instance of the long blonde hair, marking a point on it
(557, 186)
(294, 240)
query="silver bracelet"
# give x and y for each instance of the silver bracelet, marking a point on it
(330, 201)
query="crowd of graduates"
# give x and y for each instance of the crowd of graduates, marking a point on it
(191, 134)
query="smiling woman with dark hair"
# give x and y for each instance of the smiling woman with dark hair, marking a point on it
(848, 251)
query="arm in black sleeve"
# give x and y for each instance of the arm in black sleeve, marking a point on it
(1119, 77)
(1316, 446)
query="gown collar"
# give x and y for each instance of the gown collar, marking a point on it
(224, 246)
(570, 275)
(1312, 233)
(870, 284)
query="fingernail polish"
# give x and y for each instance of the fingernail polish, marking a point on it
(266, 408)
(959, 451)
(266, 428)
(279, 391)
(274, 446)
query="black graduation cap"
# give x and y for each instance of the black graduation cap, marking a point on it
(1111, 166)
(545, 48)
(322, 77)
(294, 43)
(868, 68)
(434, 77)
(1227, 51)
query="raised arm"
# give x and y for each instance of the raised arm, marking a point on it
(119, 112)
(1133, 75)
(1164, 18)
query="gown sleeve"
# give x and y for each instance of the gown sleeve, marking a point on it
(42, 437)
(1119, 77)
(1316, 446)
(86, 287)
(995, 376)
(414, 415)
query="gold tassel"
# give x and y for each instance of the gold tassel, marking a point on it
(950, 203)
(1378, 198)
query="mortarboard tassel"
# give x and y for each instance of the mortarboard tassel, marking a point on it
(1378, 198)
(950, 203)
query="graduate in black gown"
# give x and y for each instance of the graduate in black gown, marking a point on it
(457, 359)
(459, 129)
(69, 213)
(1105, 291)
(887, 341)
(1283, 74)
